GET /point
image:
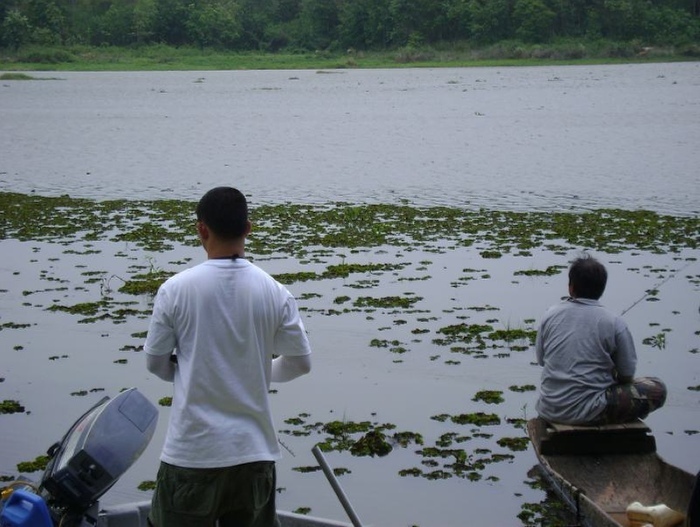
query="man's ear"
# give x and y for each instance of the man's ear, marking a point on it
(248, 228)
(202, 230)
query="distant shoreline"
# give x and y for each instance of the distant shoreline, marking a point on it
(168, 58)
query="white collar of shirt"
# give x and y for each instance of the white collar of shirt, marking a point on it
(584, 301)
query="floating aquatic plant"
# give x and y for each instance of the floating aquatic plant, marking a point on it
(147, 485)
(39, 463)
(514, 443)
(489, 396)
(523, 388)
(549, 271)
(656, 341)
(9, 406)
(476, 418)
(373, 443)
(402, 302)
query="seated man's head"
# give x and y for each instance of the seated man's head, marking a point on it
(587, 278)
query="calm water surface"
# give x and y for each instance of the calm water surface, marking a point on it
(545, 137)
(564, 138)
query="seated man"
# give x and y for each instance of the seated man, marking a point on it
(589, 358)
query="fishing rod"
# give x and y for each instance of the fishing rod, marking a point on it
(657, 286)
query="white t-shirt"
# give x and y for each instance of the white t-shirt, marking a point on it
(580, 344)
(225, 319)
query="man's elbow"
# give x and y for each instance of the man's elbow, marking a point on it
(304, 366)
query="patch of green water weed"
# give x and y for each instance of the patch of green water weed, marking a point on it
(147, 485)
(39, 463)
(549, 271)
(523, 388)
(489, 396)
(476, 418)
(9, 406)
(514, 443)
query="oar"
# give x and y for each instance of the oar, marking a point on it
(336, 486)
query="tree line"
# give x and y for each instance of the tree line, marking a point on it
(274, 25)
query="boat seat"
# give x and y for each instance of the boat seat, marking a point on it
(637, 425)
(625, 438)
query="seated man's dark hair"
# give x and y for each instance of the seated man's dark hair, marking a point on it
(225, 211)
(587, 277)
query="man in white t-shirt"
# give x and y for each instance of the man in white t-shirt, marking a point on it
(214, 331)
(589, 358)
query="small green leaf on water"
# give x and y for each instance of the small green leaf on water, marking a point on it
(147, 485)
(523, 388)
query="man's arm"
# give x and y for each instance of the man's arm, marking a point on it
(623, 379)
(286, 368)
(161, 342)
(161, 366)
(625, 355)
(291, 337)
(539, 345)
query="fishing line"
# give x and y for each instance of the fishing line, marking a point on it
(657, 286)
(285, 447)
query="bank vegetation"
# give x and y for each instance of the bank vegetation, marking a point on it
(216, 34)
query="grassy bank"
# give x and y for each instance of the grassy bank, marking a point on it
(160, 57)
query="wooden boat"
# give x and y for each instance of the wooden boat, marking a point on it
(600, 470)
(134, 515)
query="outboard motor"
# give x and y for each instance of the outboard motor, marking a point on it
(88, 461)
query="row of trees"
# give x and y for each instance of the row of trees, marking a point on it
(272, 25)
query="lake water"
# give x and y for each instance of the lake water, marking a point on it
(569, 138)
(544, 137)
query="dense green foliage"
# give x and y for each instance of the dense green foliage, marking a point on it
(274, 25)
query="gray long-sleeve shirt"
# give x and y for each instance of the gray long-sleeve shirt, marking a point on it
(582, 346)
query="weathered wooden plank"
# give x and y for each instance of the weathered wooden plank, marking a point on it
(625, 438)
(635, 426)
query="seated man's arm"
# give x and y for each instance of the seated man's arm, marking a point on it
(625, 355)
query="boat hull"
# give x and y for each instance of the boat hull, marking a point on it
(599, 487)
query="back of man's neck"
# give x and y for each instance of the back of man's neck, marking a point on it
(226, 251)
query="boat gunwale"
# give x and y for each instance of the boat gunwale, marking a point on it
(134, 514)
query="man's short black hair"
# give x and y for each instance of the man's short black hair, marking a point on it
(225, 211)
(588, 277)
